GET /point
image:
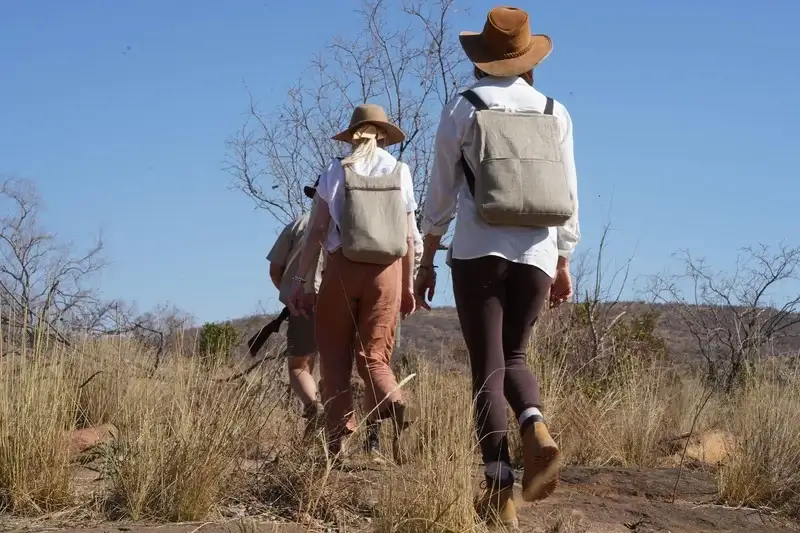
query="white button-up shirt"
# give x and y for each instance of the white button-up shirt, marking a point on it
(448, 190)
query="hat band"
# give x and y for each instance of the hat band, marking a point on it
(518, 53)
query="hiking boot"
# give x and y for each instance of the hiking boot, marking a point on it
(496, 507)
(337, 448)
(402, 417)
(372, 442)
(315, 414)
(542, 461)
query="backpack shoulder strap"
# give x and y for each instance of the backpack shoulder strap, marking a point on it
(479, 105)
(471, 97)
(548, 107)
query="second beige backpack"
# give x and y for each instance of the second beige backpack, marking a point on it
(374, 222)
(520, 179)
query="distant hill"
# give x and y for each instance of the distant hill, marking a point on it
(437, 332)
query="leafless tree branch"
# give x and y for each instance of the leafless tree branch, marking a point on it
(406, 59)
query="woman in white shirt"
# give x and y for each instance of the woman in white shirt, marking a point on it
(502, 274)
(364, 221)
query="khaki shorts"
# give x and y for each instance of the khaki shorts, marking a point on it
(300, 336)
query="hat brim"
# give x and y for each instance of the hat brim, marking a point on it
(394, 134)
(473, 46)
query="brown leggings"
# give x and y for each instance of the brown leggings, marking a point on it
(498, 302)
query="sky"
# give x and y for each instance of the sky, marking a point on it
(686, 125)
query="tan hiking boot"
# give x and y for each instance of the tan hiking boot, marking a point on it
(496, 507)
(542, 462)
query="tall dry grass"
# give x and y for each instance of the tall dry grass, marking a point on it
(182, 436)
(38, 404)
(188, 444)
(435, 493)
(764, 420)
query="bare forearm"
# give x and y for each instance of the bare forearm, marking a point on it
(563, 262)
(430, 246)
(276, 274)
(311, 249)
(408, 267)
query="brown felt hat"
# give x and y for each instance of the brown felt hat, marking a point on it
(506, 46)
(375, 115)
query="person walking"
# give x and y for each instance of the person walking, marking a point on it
(364, 222)
(504, 159)
(301, 348)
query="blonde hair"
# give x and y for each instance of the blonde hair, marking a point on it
(365, 143)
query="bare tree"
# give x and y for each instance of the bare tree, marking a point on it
(733, 316)
(42, 281)
(602, 295)
(157, 330)
(404, 56)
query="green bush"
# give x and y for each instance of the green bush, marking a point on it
(217, 339)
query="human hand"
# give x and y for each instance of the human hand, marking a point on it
(425, 285)
(407, 303)
(561, 289)
(296, 300)
(309, 302)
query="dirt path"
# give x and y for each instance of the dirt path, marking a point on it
(630, 500)
(589, 500)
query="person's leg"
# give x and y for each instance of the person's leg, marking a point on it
(379, 308)
(301, 349)
(335, 332)
(527, 288)
(480, 292)
(523, 305)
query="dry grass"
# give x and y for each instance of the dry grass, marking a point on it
(764, 469)
(180, 441)
(189, 444)
(436, 494)
(37, 406)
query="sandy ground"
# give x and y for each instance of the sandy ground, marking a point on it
(589, 500)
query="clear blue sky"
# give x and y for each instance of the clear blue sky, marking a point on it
(686, 127)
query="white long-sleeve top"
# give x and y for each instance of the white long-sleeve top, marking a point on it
(448, 190)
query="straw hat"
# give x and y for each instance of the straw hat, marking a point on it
(375, 115)
(506, 46)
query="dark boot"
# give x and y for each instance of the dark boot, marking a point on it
(315, 416)
(402, 417)
(372, 441)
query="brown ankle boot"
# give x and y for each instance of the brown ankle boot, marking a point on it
(542, 462)
(496, 507)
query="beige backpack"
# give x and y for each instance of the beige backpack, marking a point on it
(521, 179)
(374, 222)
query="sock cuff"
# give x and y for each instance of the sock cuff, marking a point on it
(499, 472)
(530, 412)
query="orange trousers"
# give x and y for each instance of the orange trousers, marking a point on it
(357, 312)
